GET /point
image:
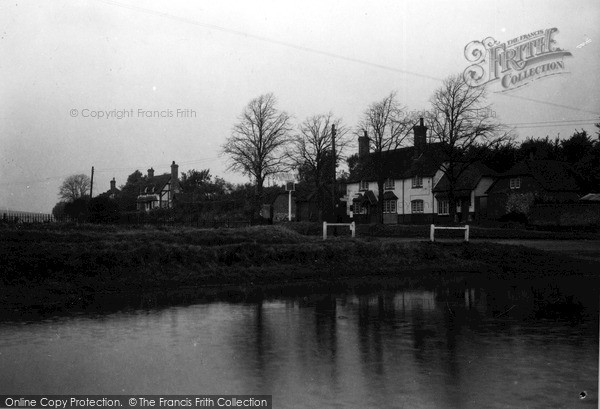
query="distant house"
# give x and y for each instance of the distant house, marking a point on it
(113, 192)
(529, 181)
(469, 194)
(159, 191)
(410, 175)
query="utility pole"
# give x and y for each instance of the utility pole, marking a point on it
(333, 192)
(92, 184)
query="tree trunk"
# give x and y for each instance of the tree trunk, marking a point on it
(380, 183)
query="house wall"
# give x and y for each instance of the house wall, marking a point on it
(498, 195)
(406, 194)
(566, 214)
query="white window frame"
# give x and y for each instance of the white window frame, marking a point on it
(389, 184)
(363, 185)
(443, 207)
(390, 206)
(417, 181)
(515, 183)
(414, 206)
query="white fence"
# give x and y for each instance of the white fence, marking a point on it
(351, 225)
(434, 228)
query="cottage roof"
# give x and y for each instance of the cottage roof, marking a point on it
(552, 175)
(399, 164)
(155, 184)
(467, 181)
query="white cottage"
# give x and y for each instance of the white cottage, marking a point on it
(410, 176)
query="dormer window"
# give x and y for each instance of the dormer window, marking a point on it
(515, 183)
(417, 181)
(364, 185)
(389, 184)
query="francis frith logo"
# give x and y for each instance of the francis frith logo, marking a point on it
(516, 62)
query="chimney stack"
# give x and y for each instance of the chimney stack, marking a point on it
(363, 145)
(151, 173)
(113, 184)
(174, 177)
(420, 134)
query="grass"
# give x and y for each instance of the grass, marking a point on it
(58, 265)
(422, 231)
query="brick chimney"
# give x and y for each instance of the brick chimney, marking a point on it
(151, 173)
(175, 177)
(113, 184)
(420, 133)
(363, 145)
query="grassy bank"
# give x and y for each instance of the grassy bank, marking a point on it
(422, 232)
(56, 265)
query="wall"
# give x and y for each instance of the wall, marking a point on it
(405, 193)
(565, 214)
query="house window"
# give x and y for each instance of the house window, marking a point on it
(515, 183)
(389, 206)
(416, 206)
(443, 207)
(358, 208)
(389, 184)
(364, 185)
(417, 181)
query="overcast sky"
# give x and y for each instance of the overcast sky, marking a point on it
(214, 57)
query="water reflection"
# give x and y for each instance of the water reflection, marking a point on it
(457, 346)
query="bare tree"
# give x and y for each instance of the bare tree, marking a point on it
(387, 126)
(464, 125)
(311, 152)
(257, 143)
(74, 187)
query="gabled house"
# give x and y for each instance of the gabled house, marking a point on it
(159, 191)
(410, 175)
(529, 181)
(469, 194)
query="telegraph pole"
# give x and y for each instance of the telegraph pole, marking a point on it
(333, 193)
(92, 183)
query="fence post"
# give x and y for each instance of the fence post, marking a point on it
(432, 232)
(466, 232)
(353, 228)
(324, 230)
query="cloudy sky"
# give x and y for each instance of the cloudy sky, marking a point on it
(63, 63)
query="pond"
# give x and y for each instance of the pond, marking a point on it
(531, 345)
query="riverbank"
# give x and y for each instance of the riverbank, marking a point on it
(57, 266)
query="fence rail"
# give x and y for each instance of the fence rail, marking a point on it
(433, 228)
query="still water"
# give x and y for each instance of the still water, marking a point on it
(526, 346)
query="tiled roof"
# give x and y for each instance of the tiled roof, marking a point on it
(389, 195)
(552, 175)
(399, 164)
(155, 184)
(467, 181)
